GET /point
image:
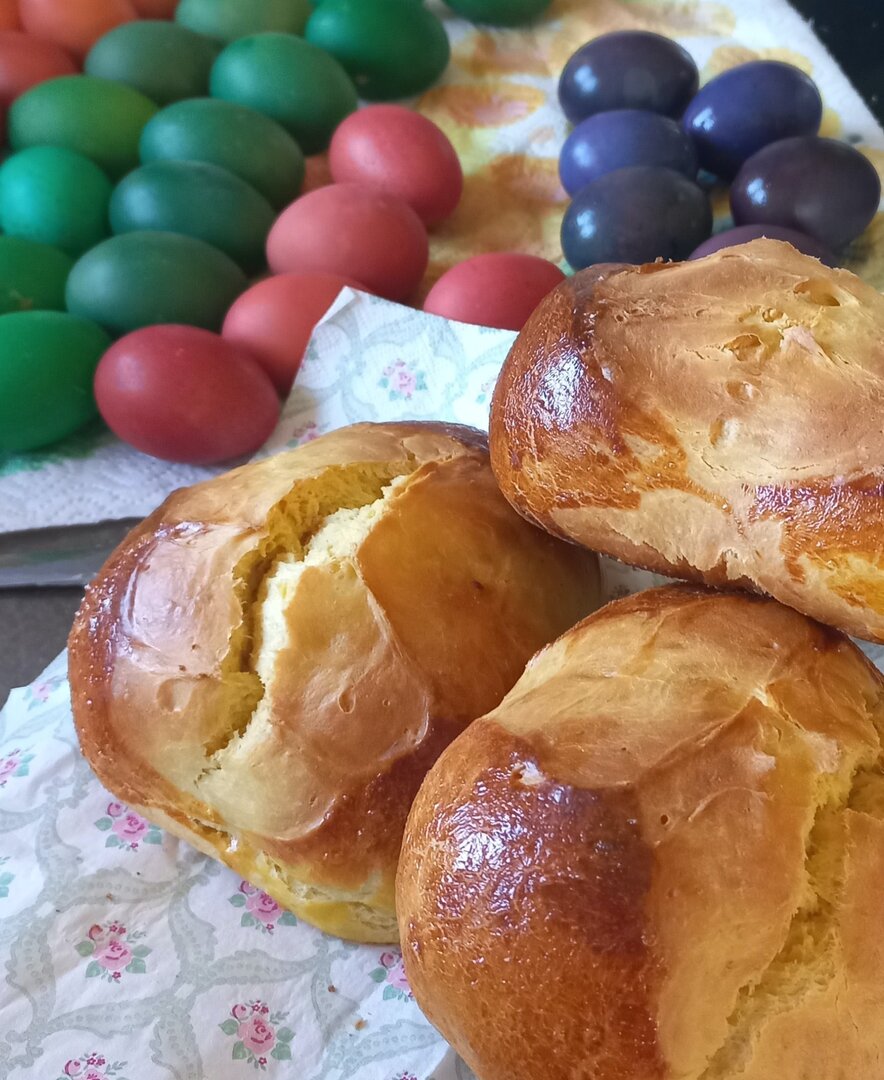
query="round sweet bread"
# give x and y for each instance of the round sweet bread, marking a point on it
(269, 664)
(662, 856)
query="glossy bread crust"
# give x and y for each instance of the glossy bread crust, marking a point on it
(662, 856)
(284, 725)
(716, 420)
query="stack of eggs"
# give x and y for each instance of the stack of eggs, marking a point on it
(146, 197)
(647, 145)
(143, 195)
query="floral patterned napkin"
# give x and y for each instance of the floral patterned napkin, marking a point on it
(371, 359)
(128, 955)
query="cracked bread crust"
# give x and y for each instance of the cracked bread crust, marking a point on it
(294, 760)
(662, 856)
(716, 420)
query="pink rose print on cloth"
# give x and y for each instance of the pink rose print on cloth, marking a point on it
(258, 1034)
(261, 911)
(114, 950)
(392, 972)
(305, 434)
(127, 829)
(92, 1066)
(401, 382)
(41, 692)
(15, 763)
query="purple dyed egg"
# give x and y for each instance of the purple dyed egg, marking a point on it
(742, 234)
(820, 187)
(622, 137)
(628, 69)
(743, 109)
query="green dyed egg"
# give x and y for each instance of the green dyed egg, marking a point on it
(32, 276)
(390, 48)
(229, 20)
(499, 12)
(99, 119)
(195, 199)
(47, 362)
(163, 61)
(54, 196)
(288, 79)
(143, 278)
(238, 139)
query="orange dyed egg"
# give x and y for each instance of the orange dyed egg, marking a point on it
(9, 19)
(155, 9)
(75, 24)
(26, 60)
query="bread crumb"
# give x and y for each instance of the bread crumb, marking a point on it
(359, 1025)
(332, 989)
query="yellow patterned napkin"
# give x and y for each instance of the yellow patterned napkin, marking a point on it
(498, 105)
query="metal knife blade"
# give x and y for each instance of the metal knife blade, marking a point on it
(70, 555)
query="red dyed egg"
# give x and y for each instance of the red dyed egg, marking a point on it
(498, 289)
(274, 319)
(185, 394)
(356, 231)
(403, 153)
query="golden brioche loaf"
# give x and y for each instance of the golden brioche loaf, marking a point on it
(717, 420)
(268, 665)
(662, 856)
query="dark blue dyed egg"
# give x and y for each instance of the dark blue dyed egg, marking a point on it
(742, 234)
(635, 215)
(821, 187)
(748, 107)
(613, 140)
(628, 69)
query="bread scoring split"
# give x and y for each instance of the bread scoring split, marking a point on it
(268, 665)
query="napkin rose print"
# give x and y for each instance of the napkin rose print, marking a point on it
(258, 1034)
(392, 972)
(261, 911)
(92, 1066)
(127, 829)
(114, 950)
(14, 764)
(39, 693)
(401, 381)
(6, 878)
(304, 434)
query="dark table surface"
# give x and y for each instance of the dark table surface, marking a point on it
(853, 32)
(35, 622)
